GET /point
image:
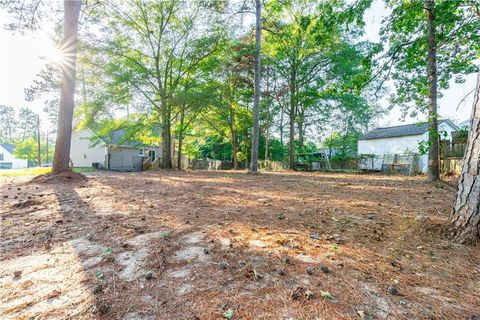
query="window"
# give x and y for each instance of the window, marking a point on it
(1, 156)
(140, 153)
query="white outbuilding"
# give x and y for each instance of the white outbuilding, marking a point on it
(400, 140)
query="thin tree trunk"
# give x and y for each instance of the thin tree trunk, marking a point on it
(291, 153)
(300, 131)
(233, 138)
(465, 216)
(256, 101)
(39, 154)
(433, 154)
(267, 122)
(180, 138)
(281, 129)
(65, 115)
(266, 144)
(46, 147)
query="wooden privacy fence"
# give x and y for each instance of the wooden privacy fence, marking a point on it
(212, 164)
(452, 149)
(451, 165)
(344, 164)
(452, 152)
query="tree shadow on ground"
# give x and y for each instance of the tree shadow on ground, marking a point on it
(163, 245)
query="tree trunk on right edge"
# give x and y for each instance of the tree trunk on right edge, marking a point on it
(465, 216)
(433, 152)
(61, 159)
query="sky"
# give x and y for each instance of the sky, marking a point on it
(447, 105)
(23, 56)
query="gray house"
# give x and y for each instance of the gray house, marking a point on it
(113, 152)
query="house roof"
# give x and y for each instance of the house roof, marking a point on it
(464, 124)
(7, 146)
(118, 138)
(403, 130)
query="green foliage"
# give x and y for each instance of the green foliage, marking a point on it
(8, 124)
(405, 31)
(342, 145)
(424, 146)
(28, 150)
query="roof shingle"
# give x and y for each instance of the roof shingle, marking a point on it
(400, 131)
(9, 147)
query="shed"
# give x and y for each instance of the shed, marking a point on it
(400, 140)
(112, 152)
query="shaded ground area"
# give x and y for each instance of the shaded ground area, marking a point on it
(216, 245)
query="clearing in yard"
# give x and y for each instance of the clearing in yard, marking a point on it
(227, 245)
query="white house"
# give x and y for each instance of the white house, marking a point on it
(114, 152)
(7, 160)
(401, 140)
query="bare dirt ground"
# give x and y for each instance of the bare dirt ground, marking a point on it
(226, 245)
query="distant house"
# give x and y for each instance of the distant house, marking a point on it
(464, 125)
(8, 160)
(400, 140)
(112, 153)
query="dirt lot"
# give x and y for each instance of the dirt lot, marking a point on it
(225, 245)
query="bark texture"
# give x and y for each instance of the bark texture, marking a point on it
(465, 216)
(256, 101)
(433, 153)
(61, 158)
(291, 116)
(166, 136)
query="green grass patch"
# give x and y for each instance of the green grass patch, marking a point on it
(84, 169)
(37, 171)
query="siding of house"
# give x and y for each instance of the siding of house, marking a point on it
(125, 159)
(82, 153)
(8, 159)
(400, 145)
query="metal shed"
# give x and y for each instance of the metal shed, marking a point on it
(124, 155)
(125, 159)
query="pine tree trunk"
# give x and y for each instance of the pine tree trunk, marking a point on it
(166, 136)
(300, 133)
(180, 138)
(39, 153)
(234, 151)
(233, 138)
(291, 153)
(256, 102)
(281, 130)
(65, 114)
(266, 143)
(267, 120)
(465, 216)
(433, 153)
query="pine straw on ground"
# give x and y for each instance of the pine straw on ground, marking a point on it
(227, 242)
(62, 177)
